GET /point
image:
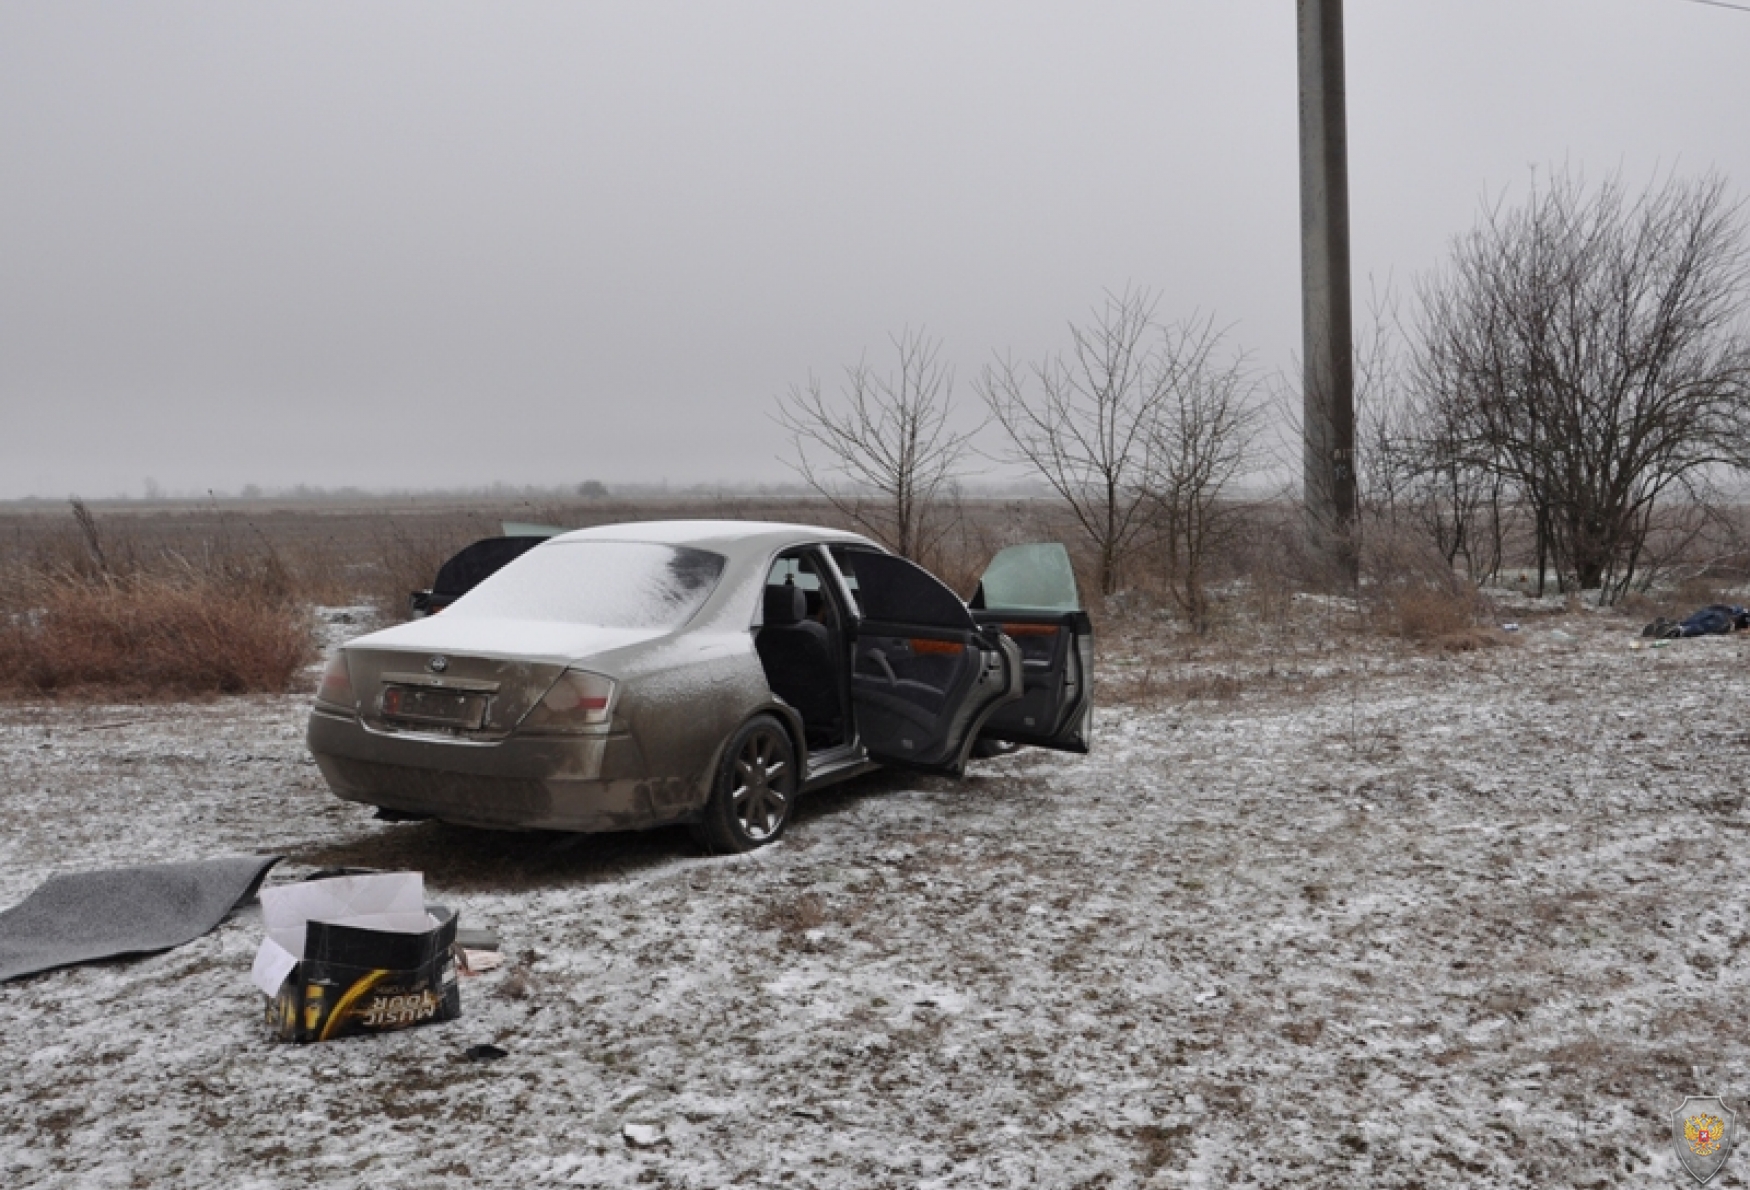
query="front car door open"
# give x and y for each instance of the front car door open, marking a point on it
(925, 677)
(1029, 592)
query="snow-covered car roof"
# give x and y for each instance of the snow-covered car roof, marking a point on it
(724, 537)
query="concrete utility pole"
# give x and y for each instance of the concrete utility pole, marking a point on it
(1328, 342)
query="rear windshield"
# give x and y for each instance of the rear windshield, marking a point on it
(615, 584)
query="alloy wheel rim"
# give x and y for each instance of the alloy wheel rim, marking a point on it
(761, 802)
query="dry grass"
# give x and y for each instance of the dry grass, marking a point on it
(1688, 596)
(223, 585)
(152, 637)
(1167, 684)
(796, 915)
(97, 613)
(1427, 613)
(1416, 594)
(405, 556)
(1436, 616)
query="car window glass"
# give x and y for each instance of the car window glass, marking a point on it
(793, 572)
(802, 571)
(479, 562)
(896, 591)
(1036, 577)
(615, 584)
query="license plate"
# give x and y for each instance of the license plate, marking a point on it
(447, 708)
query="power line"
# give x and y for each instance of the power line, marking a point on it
(1722, 4)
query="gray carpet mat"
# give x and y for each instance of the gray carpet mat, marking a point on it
(87, 916)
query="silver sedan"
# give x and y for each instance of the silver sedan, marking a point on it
(706, 672)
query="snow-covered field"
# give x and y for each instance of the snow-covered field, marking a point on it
(1372, 917)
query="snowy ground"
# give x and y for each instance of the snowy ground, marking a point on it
(1369, 917)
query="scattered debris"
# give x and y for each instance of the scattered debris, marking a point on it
(644, 1136)
(478, 962)
(476, 939)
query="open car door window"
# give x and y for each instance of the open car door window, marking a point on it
(1029, 593)
(925, 677)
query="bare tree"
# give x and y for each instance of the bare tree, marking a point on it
(883, 452)
(1383, 468)
(1586, 352)
(1202, 444)
(1089, 422)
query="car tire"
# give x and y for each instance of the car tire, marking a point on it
(754, 794)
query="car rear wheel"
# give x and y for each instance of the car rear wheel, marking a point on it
(755, 790)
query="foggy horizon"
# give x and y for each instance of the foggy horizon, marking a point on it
(406, 247)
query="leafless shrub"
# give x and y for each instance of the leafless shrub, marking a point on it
(1680, 599)
(151, 637)
(1436, 616)
(1134, 686)
(1141, 430)
(1268, 562)
(1698, 591)
(1087, 423)
(884, 452)
(1152, 665)
(1585, 353)
(1202, 445)
(1413, 593)
(1414, 475)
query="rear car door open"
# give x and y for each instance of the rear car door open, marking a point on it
(1029, 593)
(925, 676)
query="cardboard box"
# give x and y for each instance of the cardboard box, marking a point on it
(355, 954)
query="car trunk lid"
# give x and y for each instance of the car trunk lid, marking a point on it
(453, 693)
(432, 676)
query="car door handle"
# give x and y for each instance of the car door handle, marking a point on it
(880, 659)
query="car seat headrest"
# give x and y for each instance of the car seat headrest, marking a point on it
(785, 605)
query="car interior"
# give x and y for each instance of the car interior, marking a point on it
(800, 644)
(902, 688)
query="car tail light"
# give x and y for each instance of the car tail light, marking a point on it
(577, 702)
(336, 688)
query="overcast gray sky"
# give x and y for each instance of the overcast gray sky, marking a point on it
(435, 244)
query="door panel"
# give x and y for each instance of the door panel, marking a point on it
(1029, 594)
(924, 677)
